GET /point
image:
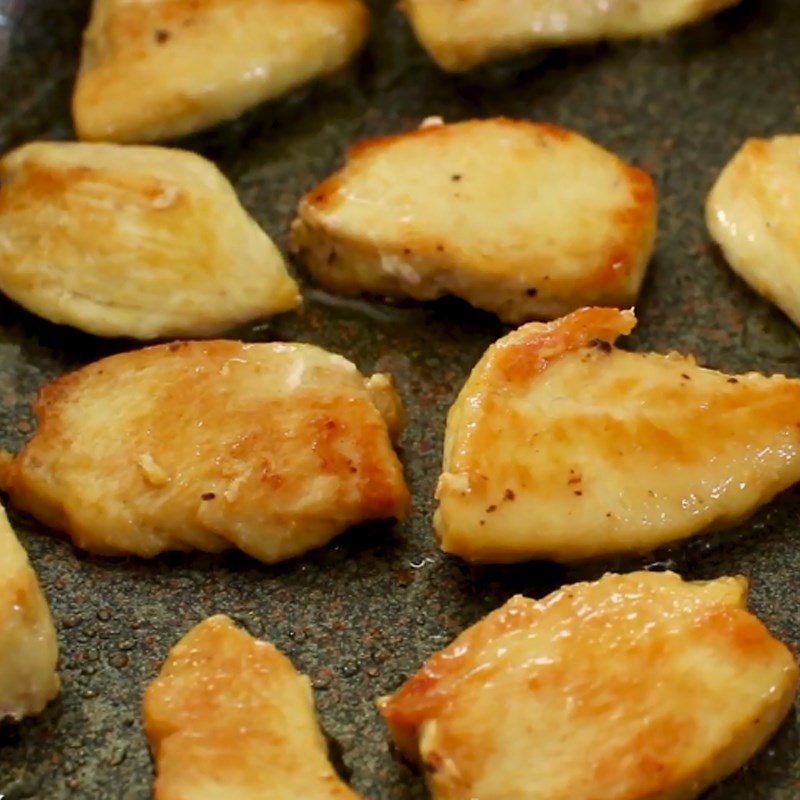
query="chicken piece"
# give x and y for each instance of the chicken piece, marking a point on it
(461, 34)
(133, 241)
(752, 214)
(230, 717)
(560, 446)
(271, 448)
(156, 69)
(28, 644)
(635, 687)
(523, 219)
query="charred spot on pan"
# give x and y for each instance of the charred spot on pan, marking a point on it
(601, 344)
(162, 36)
(207, 496)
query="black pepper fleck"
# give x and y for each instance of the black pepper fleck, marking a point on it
(601, 344)
(531, 292)
(162, 36)
(491, 508)
(733, 380)
(207, 496)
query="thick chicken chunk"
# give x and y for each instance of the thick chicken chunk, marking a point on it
(752, 213)
(28, 644)
(526, 220)
(460, 34)
(230, 717)
(561, 446)
(636, 687)
(271, 448)
(156, 69)
(133, 241)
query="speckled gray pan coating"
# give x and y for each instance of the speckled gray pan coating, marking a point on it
(363, 614)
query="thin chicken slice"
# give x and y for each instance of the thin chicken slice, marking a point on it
(461, 34)
(156, 69)
(229, 718)
(752, 213)
(28, 644)
(271, 448)
(635, 687)
(526, 220)
(561, 446)
(144, 242)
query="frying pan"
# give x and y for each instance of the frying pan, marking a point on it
(361, 615)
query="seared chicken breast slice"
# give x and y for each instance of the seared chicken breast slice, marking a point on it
(562, 446)
(28, 644)
(229, 717)
(523, 219)
(133, 241)
(271, 448)
(752, 214)
(157, 69)
(635, 687)
(461, 34)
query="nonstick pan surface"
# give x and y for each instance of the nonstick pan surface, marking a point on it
(361, 615)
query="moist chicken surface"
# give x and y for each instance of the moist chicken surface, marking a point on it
(527, 220)
(460, 34)
(562, 446)
(28, 644)
(229, 718)
(157, 69)
(133, 241)
(635, 687)
(752, 213)
(271, 448)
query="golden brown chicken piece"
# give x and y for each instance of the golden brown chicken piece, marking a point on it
(460, 34)
(561, 446)
(636, 687)
(272, 448)
(133, 241)
(526, 220)
(28, 644)
(156, 69)
(230, 717)
(752, 213)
